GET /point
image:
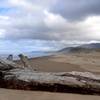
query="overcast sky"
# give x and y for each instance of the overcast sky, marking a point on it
(31, 25)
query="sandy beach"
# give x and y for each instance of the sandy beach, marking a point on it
(83, 62)
(49, 49)
(6, 94)
(67, 62)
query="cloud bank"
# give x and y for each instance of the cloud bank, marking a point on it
(50, 20)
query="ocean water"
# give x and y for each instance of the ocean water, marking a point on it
(37, 54)
(28, 54)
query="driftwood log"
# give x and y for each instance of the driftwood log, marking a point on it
(25, 62)
(10, 57)
(15, 77)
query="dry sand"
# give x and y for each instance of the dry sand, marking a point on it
(29, 95)
(68, 62)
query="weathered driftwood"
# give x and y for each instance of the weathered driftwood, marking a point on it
(24, 78)
(7, 64)
(10, 57)
(25, 62)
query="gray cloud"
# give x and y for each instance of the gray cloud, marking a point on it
(50, 20)
(77, 9)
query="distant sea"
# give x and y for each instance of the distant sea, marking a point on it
(33, 54)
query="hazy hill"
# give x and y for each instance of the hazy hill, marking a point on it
(82, 48)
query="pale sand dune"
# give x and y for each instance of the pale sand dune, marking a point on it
(34, 95)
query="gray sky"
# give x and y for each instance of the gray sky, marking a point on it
(56, 22)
